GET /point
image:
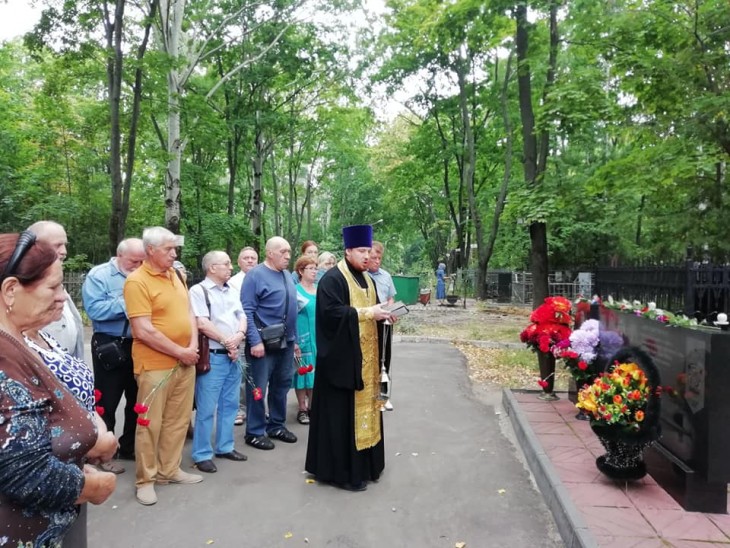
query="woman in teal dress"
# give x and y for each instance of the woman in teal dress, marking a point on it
(303, 382)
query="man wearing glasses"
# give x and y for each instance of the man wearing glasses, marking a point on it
(217, 308)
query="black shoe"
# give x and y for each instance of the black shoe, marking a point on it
(259, 442)
(362, 486)
(283, 435)
(233, 455)
(206, 466)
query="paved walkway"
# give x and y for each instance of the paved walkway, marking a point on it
(452, 475)
(590, 509)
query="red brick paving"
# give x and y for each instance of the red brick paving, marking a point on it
(638, 514)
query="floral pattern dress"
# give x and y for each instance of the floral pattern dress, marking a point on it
(44, 435)
(71, 371)
(307, 338)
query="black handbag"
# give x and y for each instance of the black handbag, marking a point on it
(112, 354)
(274, 336)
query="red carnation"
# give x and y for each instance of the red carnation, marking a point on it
(310, 368)
(257, 394)
(142, 421)
(100, 410)
(542, 383)
(140, 409)
(97, 395)
(302, 370)
(582, 365)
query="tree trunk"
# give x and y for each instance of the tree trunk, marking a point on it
(502, 197)
(114, 30)
(535, 161)
(172, 27)
(469, 159)
(258, 168)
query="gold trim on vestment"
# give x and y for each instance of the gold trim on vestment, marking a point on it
(367, 406)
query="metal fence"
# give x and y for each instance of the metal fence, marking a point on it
(696, 289)
(73, 281)
(557, 285)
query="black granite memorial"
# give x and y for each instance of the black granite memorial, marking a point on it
(691, 460)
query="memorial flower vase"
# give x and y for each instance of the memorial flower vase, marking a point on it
(624, 457)
(624, 403)
(546, 361)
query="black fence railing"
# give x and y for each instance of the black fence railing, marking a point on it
(700, 290)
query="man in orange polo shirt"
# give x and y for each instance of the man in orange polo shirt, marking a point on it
(164, 350)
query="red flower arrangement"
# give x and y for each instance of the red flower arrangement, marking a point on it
(550, 325)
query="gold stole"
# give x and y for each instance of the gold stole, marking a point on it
(367, 407)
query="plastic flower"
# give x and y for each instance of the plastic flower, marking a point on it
(550, 324)
(617, 397)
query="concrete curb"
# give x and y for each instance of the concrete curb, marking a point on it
(572, 528)
(445, 340)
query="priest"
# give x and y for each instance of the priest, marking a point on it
(345, 446)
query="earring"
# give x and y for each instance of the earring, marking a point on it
(9, 309)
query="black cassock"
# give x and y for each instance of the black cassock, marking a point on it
(331, 453)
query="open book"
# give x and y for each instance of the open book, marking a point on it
(397, 309)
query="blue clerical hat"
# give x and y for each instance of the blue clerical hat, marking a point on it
(357, 236)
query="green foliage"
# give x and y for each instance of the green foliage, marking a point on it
(638, 124)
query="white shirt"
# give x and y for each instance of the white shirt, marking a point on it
(236, 282)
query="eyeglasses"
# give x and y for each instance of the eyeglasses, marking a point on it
(24, 243)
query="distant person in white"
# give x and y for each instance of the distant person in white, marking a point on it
(247, 259)
(69, 330)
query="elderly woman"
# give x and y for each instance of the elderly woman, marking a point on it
(47, 433)
(441, 283)
(303, 381)
(309, 249)
(326, 261)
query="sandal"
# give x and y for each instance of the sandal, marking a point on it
(113, 467)
(303, 417)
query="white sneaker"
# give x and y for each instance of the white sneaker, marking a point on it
(388, 406)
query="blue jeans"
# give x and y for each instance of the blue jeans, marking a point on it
(219, 388)
(274, 371)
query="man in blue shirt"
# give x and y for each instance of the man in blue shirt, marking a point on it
(217, 308)
(103, 296)
(269, 298)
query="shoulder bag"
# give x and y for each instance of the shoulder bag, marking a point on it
(203, 365)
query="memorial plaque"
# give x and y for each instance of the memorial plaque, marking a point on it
(695, 364)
